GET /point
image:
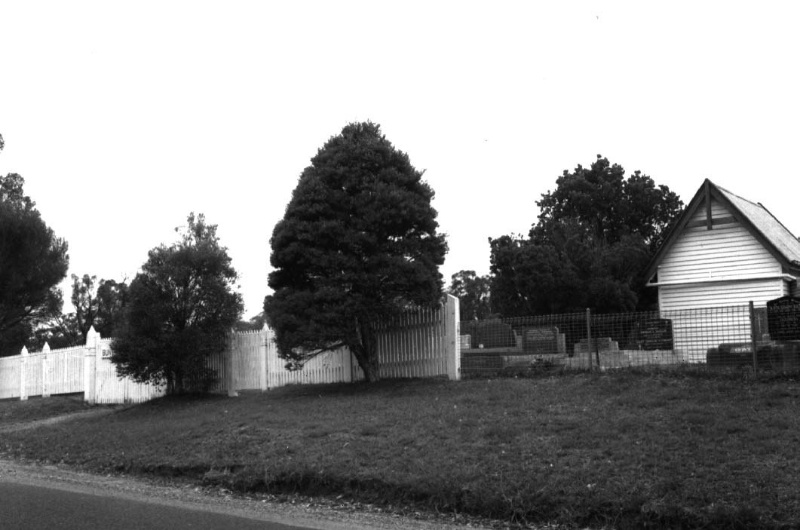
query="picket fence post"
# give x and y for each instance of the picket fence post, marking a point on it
(90, 367)
(263, 346)
(589, 338)
(229, 365)
(23, 361)
(453, 342)
(47, 373)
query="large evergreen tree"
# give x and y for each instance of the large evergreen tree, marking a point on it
(358, 243)
(32, 263)
(180, 308)
(595, 235)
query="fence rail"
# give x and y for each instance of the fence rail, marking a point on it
(735, 336)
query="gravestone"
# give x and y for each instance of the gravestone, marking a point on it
(783, 318)
(653, 334)
(539, 341)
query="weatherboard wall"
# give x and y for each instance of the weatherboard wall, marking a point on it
(720, 267)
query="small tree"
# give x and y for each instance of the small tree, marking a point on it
(181, 307)
(358, 243)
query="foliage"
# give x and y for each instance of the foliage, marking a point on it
(254, 324)
(112, 300)
(607, 206)
(180, 308)
(32, 263)
(595, 235)
(61, 331)
(473, 294)
(99, 305)
(84, 299)
(358, 242)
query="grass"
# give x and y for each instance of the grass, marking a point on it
(626, 449)
(16, 411)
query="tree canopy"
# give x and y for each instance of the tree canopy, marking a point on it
(595, 234)
(32, 263)
(99, 305)
(180, 308)
(358, 242)
(608, 207)
(473, 292)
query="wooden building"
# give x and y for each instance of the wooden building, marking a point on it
(724, 252)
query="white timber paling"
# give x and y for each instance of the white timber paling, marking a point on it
(419, 343)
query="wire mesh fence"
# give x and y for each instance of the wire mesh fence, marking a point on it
(764, 338)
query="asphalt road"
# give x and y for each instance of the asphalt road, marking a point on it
(43, 496)
(30, 507)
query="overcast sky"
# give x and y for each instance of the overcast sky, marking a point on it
(123, 117)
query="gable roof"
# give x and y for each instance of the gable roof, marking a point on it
(770, 232)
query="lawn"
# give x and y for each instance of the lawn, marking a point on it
(628, 449)
(16, 411)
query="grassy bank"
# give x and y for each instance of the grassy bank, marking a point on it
(625, 449)
(34, 409)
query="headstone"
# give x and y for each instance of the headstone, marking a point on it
(653, 334)
(542, 340)
(783, 318)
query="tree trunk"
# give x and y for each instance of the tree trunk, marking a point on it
(366, 351)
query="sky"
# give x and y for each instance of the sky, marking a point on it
(124, 117)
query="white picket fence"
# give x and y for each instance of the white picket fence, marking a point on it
(87, 369)
(421, 343)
